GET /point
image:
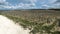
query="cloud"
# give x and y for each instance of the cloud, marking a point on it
(30, 4)
(4, 4)
(24, 5)
(58, 1)
(50, 4)
(2, 1)
(7, 5)
(52, 1)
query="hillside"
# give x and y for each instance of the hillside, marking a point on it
(38, 21)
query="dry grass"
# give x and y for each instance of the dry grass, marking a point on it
(38, 21)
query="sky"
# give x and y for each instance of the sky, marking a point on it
(29, 4)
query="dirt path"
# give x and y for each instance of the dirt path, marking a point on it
(7, 26)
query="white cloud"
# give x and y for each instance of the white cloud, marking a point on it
(52, 1)
(50, 4)
(32, 4)
(33, 1)
(20, 5)
(2, 1)
(57, 5)
(45, 5)
(27, 5)
(4, 4)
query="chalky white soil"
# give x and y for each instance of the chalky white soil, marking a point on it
(7, 26)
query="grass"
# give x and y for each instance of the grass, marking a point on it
(34, 26)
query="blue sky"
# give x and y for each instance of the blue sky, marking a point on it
(29, 4)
